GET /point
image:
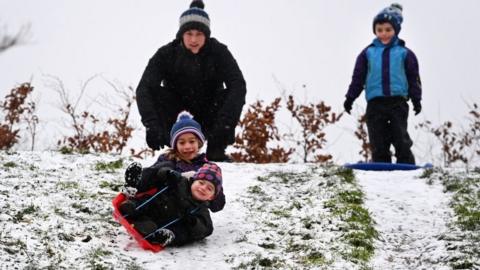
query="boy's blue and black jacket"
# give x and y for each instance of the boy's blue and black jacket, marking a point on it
(386, 70)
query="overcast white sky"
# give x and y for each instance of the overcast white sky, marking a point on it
(309, 42)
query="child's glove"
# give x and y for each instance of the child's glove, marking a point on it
(163, 237)
(347, 105)
(417, 106)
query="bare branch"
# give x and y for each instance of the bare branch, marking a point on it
(21, 37)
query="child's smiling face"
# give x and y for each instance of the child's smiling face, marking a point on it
(384, 32)
(202, 190)
(188, 146)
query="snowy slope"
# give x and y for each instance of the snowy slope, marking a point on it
(55, 212)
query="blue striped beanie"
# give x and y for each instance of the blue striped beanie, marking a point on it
(185, 124)
(392, 15)
(194, 18)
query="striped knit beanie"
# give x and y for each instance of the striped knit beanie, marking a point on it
(185, 124)
(392, 15)
(194, 18)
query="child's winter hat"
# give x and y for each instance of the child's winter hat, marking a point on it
(185, 124)
(392, 15)
(194, 18)
(211, 173)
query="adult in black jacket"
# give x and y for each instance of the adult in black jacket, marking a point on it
(196, 73)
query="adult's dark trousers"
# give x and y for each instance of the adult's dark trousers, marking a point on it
(387, 124)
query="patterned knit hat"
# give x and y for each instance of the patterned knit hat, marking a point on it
(211, 173)
(194, 18)
(392, 15)
(185, 124)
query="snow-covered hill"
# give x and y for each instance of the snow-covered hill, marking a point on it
(55, 213)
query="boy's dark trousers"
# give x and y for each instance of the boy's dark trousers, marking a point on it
(387, 124)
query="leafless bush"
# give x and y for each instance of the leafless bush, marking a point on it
(8, 41)
(91, 134)
(258, 130)
(313, 118)
(457, 145)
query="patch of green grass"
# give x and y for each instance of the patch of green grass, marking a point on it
(255, 190)
(360, 232)
(282, 213)
(10, 164)
(468, 215)
(427, 173)
(260, 262)
(97, 260)
(67, 185)
(346, 173)
(351, 197)
(64, 150)
(110, 185)
(315, 258)
(26, 211)
(109, 166)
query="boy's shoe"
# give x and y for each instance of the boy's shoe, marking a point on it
(127, 208)
(133, 174)
(162, 237)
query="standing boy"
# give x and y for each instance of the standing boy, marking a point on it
(389, 73)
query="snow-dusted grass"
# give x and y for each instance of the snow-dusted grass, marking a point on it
(306, 219)
(55, 213)
(463, 235)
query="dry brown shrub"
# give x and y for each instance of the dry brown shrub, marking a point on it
(258, 129)
(313, 118)
(362, 135)
(17, 110)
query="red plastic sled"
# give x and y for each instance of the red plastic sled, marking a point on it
(131, 231)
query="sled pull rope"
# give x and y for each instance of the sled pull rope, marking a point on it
(171, 222)
(151, 198)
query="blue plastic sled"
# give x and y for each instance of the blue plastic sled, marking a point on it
(383, 166)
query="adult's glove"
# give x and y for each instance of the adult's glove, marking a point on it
(417, 106)
(347, 105)
(155, 138)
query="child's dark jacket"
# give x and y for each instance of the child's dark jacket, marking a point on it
(183, 166)
(175, 202)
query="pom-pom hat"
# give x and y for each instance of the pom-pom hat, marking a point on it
(392, 15)
(185, 124)
(194, 18)
(212, 173)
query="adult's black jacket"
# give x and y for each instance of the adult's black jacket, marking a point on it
(208, 84)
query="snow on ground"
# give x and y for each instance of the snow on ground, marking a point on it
(411, 217)
(55, 213)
